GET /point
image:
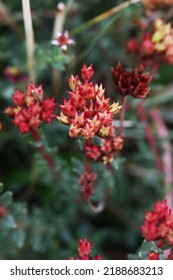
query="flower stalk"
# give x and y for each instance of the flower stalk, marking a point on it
(29, 34)
(58, 27)
(122, 114)
(166, 148)
(42, 150)
(149, 135)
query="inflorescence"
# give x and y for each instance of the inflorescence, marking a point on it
(134, 83)
(155, 46)
(84, 251)
(30, 109)
(87, 111)
(158, 225)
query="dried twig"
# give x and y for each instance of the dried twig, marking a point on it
(58, 27)
(29, 34)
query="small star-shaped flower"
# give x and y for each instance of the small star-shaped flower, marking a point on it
(62, 40)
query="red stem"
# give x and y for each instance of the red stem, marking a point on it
(122, 114)
(41, 149)
(166, 146)
(87, 161)
(149, 135)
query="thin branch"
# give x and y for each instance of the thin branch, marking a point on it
(103, 16)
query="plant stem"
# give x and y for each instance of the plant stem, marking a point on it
(103, 16)
(99, 208)
(29, 34)
(59, 20)
(122, 113)
(87, 159)
(149, 135)
(42, 150)
(166, 148)
(58, 27)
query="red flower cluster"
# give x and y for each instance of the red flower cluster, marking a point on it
(84, 251)
(156, 45)
(87, 111)
(153, 256)
(158, 225)
(105, 153)
(156, 4)
(30, 109)
(156, 256)
(134, 83)
(86, 181)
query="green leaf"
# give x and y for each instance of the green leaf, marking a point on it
(53, 56)
(96, 140)
(81, 142)
(146, 247)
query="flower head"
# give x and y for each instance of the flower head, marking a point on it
(153, 256)
(87, 111)
(84, 248)
(105, 153)
(62, 40)
(60, 6)
(86, 181)
(30, 109)
(134, 83)
(84, 251)
(155, 46)
(158, 225)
